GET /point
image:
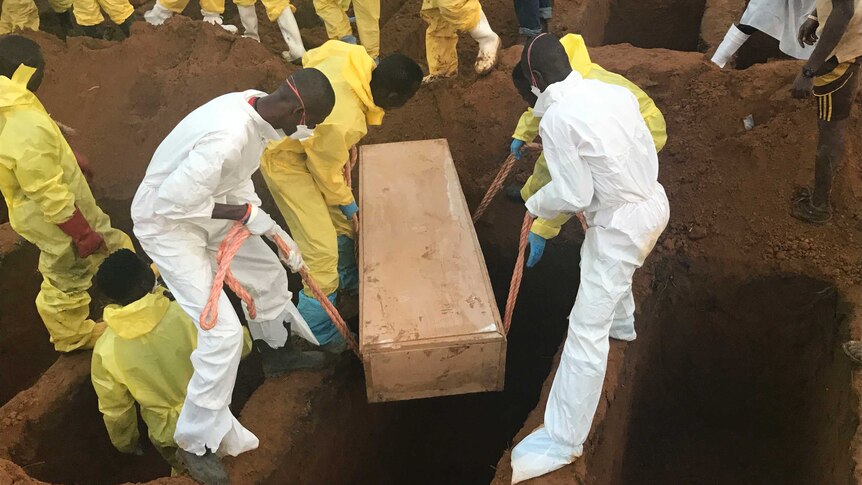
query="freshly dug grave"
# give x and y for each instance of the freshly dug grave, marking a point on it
(735, 379)
(729, 191)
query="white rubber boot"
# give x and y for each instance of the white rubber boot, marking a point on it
(290, 31)
(158, 14)
(215, 19)
(248, 16)
(489, 46)
(733, 40)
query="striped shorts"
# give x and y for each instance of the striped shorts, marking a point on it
(836, 90)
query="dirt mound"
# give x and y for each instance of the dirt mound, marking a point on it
(142, 87)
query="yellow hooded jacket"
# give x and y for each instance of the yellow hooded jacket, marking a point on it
(348, 67)
(144, 357)
(528, 125)
(576, 48)
(39, 175)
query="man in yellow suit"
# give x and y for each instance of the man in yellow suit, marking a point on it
(334, 16)
(49, 201)
(305, 176)
(24, 15)
(144, 357)
(445, 18)
(528, 129)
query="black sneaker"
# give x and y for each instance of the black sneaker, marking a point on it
(336, 346)
(65, 19)
(207, 469)
(94, 31)
(126, 26)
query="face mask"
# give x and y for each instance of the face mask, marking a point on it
(542, 103)
(533, 88)
(302, 133)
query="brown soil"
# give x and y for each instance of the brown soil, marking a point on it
(737, 376)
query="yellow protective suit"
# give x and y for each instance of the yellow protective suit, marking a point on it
(528, 126)
(273, 7)
(333, 14)
(306, 178)
(177, 6)
(87, 12)
(42, 184)
(144, 358)
(24, 15)
(445, 18)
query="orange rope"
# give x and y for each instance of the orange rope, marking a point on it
(499, 180)
(348, 179)
(517, 274)
(227, 251)
(348, 167)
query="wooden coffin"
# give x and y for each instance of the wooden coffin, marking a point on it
(429, 324)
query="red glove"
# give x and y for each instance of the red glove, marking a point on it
(84, 163)
(87, 241)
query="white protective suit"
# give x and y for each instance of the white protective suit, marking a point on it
(209, 158)
(602, 161)
(781, 20)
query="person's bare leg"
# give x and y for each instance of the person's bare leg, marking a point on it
(830, 155)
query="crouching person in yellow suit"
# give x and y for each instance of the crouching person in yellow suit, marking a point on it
(49, 201)
(143, 357)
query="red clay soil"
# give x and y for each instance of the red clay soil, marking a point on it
(729, 190)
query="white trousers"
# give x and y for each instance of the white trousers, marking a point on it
(185, 256)
(616, 244)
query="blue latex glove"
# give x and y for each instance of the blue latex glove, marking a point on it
(349, 210)
(516, 147)
(537, 248)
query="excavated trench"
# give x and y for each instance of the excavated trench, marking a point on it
(736, 380)
(454, 439)
(668, 24)
(24, 344)
(71, 446)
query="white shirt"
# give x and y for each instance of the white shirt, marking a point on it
(781, 20)
(599, 150)
(208, 158)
